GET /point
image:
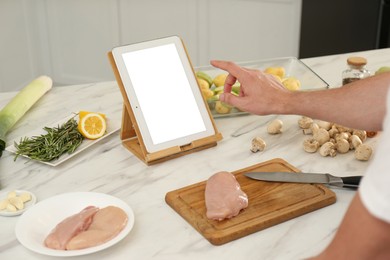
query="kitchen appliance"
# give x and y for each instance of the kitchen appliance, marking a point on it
(333, 26)
(384, 25)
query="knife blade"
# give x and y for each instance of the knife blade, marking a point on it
(301, 177)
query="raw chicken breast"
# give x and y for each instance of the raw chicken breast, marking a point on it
(224, 197)
(70, 227)
(106, 224)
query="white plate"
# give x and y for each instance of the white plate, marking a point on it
(36, 223)
(112, 127)
(27, 204)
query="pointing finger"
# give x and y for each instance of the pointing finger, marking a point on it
(230, 67)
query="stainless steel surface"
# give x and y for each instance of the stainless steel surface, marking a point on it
(322, 178)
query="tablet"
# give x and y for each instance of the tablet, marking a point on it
(163, 93)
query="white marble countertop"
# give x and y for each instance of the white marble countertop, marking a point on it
(159, 232)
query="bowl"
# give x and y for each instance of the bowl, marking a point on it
(293, 68)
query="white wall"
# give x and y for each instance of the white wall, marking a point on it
(68, 40)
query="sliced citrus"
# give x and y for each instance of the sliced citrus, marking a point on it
(83, 113)
(92, 125)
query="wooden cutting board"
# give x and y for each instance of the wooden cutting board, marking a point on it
(270, 203)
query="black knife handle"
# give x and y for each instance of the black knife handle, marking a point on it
(351, 181)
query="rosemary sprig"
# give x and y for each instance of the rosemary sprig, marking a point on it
(50, 146)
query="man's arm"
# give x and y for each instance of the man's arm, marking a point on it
(360, 236)
(360, 105)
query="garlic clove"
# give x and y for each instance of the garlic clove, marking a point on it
(3, 204)
(11, 207)
(11, 194)
(25, 196)
(17, 202)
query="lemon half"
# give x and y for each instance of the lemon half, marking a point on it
(92, 126)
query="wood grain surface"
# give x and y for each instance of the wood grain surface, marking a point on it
(270, 203)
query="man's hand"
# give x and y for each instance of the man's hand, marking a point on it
(260, 93)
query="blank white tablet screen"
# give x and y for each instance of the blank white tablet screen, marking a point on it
(164, 93)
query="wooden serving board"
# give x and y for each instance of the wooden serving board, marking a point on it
(270, 203)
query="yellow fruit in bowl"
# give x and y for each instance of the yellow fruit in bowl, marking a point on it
(205, 76)
(222, 108)
(291, 83)
(218, 90)
(203, 84)
(277, 71)
(207, 93)
(219, 80)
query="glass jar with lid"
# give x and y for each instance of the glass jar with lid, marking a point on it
(356, 70)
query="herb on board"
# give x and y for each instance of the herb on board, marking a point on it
(47, 147)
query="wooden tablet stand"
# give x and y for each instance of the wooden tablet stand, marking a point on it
(132, 139)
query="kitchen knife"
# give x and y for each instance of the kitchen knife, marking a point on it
(300, 177)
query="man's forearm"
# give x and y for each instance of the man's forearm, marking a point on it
(359, 105)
